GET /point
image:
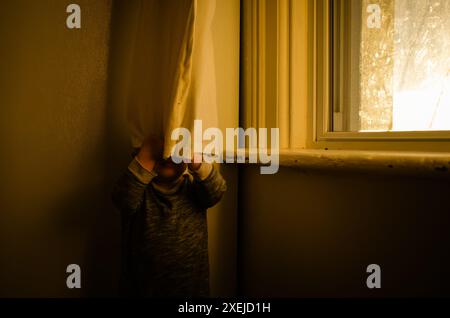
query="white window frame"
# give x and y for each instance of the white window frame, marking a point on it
(269, 98)
(323, 54)
(293, 94)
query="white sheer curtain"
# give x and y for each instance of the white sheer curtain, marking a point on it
(172, 80)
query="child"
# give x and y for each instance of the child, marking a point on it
(165, 239)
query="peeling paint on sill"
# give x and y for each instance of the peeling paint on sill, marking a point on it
(404, 163)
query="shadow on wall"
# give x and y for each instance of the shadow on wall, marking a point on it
(317, 233)
(100, 221)
(62, 147)
(105, 230)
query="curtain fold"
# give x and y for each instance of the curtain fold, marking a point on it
(172, 79)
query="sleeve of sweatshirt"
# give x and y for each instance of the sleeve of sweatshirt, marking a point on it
(128, 193)
(209, 185)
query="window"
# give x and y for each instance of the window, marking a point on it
(382, 69)
(348, 74)
(392, 65)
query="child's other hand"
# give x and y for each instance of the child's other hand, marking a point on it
(196, 162)
(151, 152)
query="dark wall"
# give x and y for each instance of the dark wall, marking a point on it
(314, 234)
(54, 144)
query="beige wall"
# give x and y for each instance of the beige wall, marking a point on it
(64, 142)
(53, 92)
(223, 219)
(313, 233)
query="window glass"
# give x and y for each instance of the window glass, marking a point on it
(392, 60)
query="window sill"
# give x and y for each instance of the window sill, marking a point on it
(404, 163)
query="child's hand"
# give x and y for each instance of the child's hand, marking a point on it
(150, 153)
(196, 162)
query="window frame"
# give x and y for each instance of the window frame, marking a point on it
(291, 93)
(274, 68)
(322, 134)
